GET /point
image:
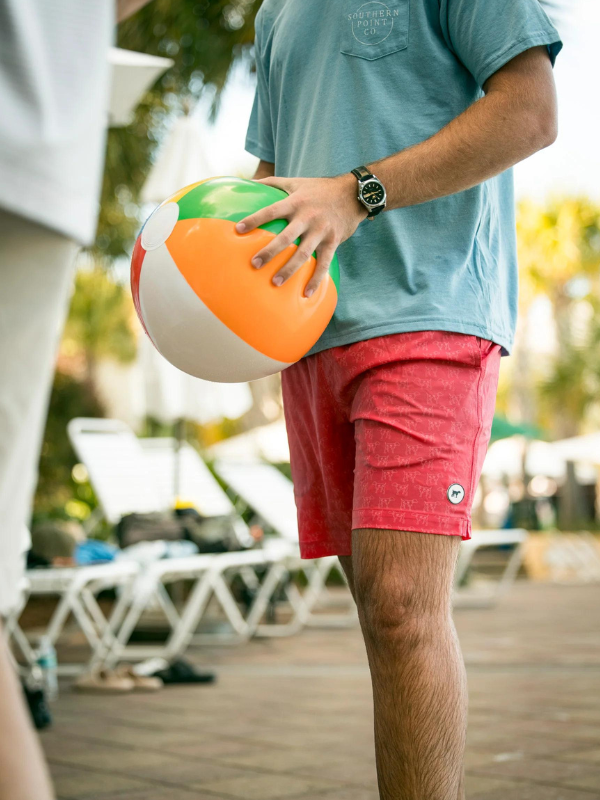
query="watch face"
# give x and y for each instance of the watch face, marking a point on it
(373, 193)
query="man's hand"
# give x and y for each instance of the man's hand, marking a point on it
(321, 212)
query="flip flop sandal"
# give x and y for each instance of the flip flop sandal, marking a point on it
(141, 683)
(182, 672)
(103, 681)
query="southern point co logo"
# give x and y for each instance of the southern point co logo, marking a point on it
(373, 22)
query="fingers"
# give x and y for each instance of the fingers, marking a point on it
(278, 244)
(305, 250)
(281, 210)
(325, 253)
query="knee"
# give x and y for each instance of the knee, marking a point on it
(398, 618)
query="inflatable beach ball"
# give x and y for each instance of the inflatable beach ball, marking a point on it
(201, 302)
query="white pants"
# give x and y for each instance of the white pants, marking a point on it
(35, 280)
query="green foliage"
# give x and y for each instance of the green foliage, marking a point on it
(559, 257)
(204, 38)
(57, 491)
(573, 387)
(558, 241)
(98, 326)
(99, 321)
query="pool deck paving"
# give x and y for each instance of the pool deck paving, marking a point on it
(291, 719)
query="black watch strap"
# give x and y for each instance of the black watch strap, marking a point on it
(375, 211)
(362, 173)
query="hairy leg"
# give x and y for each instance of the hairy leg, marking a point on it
(403, 586)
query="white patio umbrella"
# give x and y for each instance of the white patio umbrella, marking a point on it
(173, 396)
(505, 458)
(268, 443)
(132, 74)
(580, 448)
(181, 161)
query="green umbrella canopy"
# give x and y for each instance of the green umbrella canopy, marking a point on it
(503, 429)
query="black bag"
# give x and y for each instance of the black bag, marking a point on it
(134, 528)
(210, 534)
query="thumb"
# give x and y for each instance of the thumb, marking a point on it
(286, 184)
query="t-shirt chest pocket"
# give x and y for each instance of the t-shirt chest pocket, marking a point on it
(375, 28)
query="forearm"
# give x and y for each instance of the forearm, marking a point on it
(495, 133)
(126, 8)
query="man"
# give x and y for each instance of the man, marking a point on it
(53, 93)
(390, 414)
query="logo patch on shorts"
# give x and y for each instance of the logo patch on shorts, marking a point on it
(456, 494)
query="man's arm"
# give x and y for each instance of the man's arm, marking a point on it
(516, 118)
(126, 8)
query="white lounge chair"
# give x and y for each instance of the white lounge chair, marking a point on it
(270, 494)
(127, 478)
(77, 589)
(195, 483)
(488, 594)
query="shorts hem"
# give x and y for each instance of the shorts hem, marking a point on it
(386, 519)
(311, 550)
(413, 522)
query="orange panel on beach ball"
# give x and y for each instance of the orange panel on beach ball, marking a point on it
(279, 322)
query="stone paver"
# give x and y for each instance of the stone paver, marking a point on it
(291, 719)
(268, 787)
(73, 783)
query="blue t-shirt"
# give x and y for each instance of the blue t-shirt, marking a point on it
(347, 82)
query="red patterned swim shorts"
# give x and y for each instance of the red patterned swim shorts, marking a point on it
(389, 433)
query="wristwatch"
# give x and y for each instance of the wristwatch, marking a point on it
(371, 192)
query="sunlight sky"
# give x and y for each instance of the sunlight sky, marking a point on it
(571, 165)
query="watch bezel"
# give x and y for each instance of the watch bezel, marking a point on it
(363, 200)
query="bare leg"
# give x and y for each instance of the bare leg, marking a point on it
(23, 774)
(403, 586)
